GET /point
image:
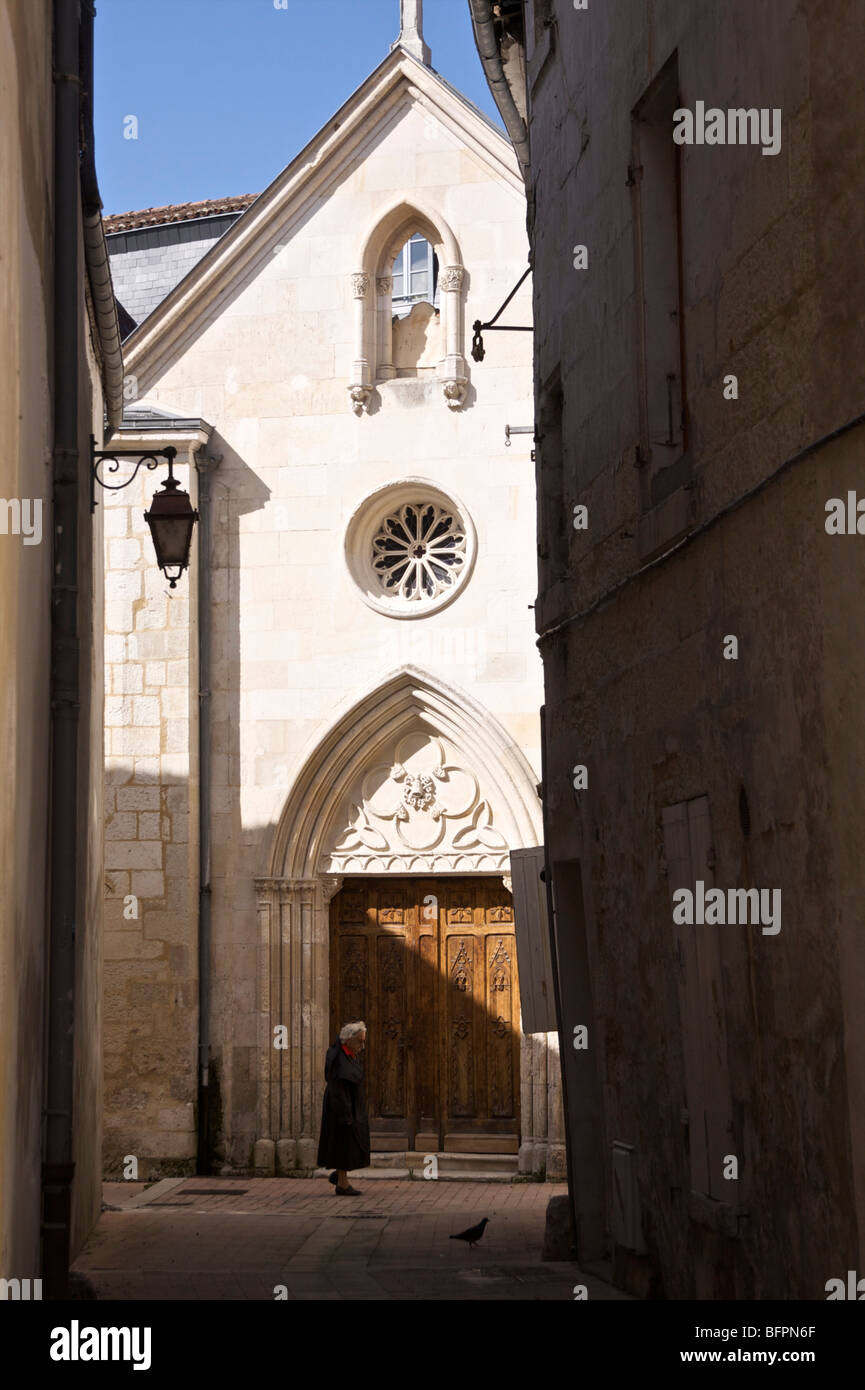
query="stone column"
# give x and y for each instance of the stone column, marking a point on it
(540, 1118)
(454, 377)
(557, 1164)
(294, 944)
(360, 386)
(384, 353)
(527, 1105)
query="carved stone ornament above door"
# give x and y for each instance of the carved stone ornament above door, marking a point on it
(424, 809)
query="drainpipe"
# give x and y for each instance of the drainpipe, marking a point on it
(58, 1167)
(491, 59)
(204, 467)
(95, 246)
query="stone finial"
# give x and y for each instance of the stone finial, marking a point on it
(411, 31)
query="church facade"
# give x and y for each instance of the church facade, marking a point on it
(323, 743)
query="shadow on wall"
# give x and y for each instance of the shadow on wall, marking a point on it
(417, 341)
(150, 968)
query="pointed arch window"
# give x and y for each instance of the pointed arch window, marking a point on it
(410, 260)
(415, 276)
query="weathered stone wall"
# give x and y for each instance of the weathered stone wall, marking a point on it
(26, 375)
(25, 443)
(151, 859)
(637, 687)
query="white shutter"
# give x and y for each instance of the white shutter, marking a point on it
(531, 927)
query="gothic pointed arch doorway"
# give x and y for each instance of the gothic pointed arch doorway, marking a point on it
(416, 784)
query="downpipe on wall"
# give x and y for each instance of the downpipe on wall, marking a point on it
(204, 466)
(58, 1167)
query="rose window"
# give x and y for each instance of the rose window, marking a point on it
(418, 551)
(410, 548)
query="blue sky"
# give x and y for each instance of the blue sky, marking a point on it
(226, 92)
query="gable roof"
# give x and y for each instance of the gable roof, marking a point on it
(398, 77)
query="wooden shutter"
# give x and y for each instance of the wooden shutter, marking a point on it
(531, 922)
(688, 850)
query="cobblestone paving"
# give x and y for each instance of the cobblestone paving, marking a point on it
(203, 1238)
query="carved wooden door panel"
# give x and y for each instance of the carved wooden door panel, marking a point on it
(480, 1017)
(430, 965)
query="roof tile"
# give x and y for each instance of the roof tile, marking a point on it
(176, 212)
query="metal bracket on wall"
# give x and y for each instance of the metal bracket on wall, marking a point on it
(478, 328)
(520, 429)
(147, 459)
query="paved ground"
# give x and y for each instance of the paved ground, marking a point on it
(174, 1241)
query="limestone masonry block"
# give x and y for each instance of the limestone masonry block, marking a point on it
(124, 554)
(154, 673)
(147, 884)
(138, 798)
(130, 741)
(121, 826)
(139, 854)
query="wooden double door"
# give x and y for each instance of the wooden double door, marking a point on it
(430, 965)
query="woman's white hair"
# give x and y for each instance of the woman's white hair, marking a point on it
(351, 1030)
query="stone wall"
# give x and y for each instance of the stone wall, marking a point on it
(151, 856)
(26, 402)
(637, 685)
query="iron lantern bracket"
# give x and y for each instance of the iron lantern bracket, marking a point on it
(146, 459)
(478, 328)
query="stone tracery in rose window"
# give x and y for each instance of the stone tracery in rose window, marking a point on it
(418, 551)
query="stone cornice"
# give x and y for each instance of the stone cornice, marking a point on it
(147, 440)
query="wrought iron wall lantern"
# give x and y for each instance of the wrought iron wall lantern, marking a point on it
(171, 517)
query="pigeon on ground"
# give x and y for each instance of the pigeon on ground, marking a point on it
(473, 1234)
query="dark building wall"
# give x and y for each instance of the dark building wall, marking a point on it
(770, 288)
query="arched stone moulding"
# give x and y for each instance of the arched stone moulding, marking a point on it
(371, 290)
(318, 841)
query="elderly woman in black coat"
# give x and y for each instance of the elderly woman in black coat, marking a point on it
(344, 1140)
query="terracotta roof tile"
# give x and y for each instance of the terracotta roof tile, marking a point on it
(176, 212)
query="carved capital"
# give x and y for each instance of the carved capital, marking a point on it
(330, 886)
(384, 285)
(452, 277)
(454, 389)
(360, 285)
